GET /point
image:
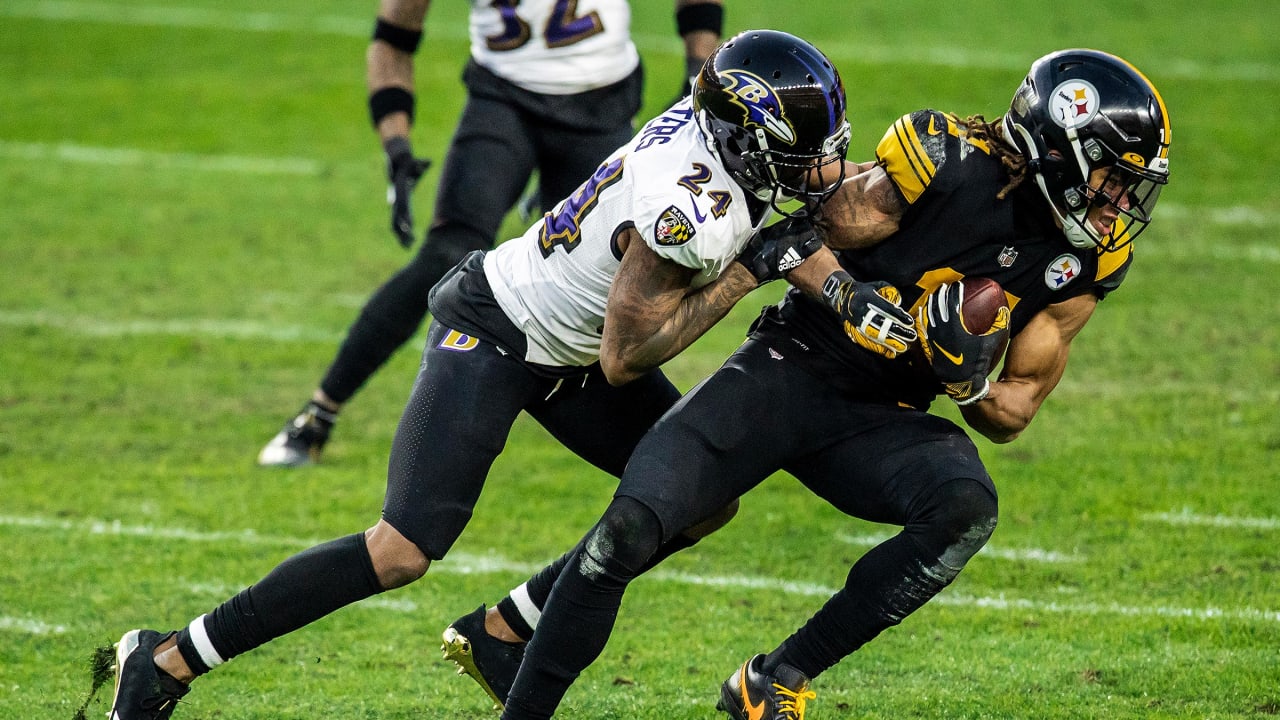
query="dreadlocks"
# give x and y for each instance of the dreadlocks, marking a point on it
(978, 129)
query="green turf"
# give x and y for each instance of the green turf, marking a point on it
(193, 213)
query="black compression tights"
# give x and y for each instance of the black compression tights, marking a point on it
(895, 578)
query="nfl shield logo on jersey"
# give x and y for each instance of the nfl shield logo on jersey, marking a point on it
(1006, 256)
(673, 227)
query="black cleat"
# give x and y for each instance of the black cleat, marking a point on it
(301, 440)
(491, 662)
(143, 691)
(750, 694)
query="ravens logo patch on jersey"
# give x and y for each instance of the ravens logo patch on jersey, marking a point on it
(673, 228)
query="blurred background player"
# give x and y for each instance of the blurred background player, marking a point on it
(552, 87)
(1047, 201)
(570, 323)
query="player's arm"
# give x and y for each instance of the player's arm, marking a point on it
(389, 72)
(652, 315)
(700, 23)
(389, 62)
(1033, 366)
(864, 210)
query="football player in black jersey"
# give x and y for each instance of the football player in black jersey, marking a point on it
(1046, 200)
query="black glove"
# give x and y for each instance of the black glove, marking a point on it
(403, 171)
(780, 248)
(960, 359)
(871, 313)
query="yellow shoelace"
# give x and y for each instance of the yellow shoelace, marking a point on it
(792, 701)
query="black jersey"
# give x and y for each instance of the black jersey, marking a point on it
(953, 226)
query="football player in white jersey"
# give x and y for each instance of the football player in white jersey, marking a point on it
(552, 88)
(569, 323)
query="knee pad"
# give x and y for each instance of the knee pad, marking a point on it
(622, 542)
(961, 517)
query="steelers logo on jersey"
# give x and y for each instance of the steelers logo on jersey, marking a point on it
(1061, 271)
(673, 228)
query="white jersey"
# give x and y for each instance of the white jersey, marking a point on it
(553, 282)
(554, 47)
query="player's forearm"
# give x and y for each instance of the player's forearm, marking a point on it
(390, 68)
(1005, 412)
(813, 272)
(635, 345)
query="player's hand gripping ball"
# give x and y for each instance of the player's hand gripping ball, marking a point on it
(964, 331)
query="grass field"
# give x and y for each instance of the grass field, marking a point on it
(193, 212)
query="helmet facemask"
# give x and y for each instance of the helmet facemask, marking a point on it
(1126, 192)
(810, 178)
(1096, 184)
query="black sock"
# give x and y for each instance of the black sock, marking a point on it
(300, 590)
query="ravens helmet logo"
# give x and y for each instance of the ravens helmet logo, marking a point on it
(760, 104)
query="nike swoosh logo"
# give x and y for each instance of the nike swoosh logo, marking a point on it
(756, 711)
(696, 212)
(957, 359)
(933, 130)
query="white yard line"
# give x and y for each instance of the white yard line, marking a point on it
(1233, 216)
(226, 329)
(133, 157)
(464, 563)
(1239, 216)
(28, 626)
(357, 26)
(1186, 517)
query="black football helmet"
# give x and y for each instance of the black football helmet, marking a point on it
(1079, 111)
(772, 107)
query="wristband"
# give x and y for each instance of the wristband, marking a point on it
(976, 397)
(702, 16)
(387, 100)
(832, 284)
(400, 38)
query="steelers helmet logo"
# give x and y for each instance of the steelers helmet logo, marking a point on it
(1073, 104)
(760, 104)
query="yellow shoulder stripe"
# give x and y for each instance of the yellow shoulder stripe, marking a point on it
(1109, 262)
(904, 158)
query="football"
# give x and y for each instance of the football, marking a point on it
(983, 298)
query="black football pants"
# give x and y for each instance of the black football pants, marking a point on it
(464, 401)
(758, 414)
